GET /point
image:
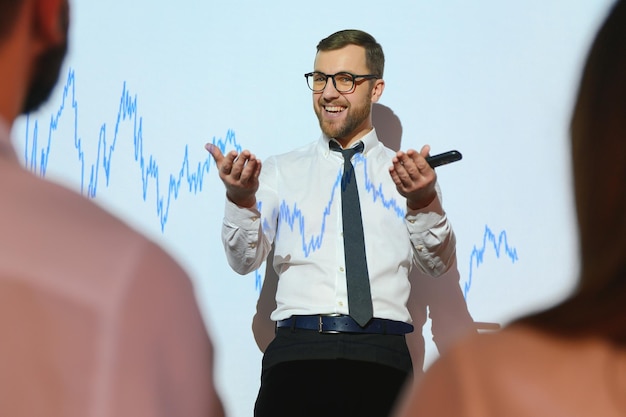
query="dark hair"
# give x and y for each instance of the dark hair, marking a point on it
(374, 57)
(8, 15)
(598, 139)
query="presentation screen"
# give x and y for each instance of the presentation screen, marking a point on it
(146, 84)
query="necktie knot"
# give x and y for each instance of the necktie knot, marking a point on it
(348, 168)
(347, 153)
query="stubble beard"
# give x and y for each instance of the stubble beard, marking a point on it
(355, 117)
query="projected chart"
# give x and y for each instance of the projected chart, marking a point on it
(145, 87)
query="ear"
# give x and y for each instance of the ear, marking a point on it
(51, 20)
(377, 90)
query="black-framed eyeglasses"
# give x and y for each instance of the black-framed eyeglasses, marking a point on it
(344, 82)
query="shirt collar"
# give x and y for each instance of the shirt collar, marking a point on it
(370, 140)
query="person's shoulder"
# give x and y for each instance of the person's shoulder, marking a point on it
(55, 209)
(83, 213)
(380, 151)
(523, 350)
(519, 370)
(508, 341)
(296, 158)
(299, 151)
(47, 204)
(480, 354)
(57, 234)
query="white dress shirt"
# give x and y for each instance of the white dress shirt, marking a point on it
(299, 210)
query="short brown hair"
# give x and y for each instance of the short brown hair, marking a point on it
(374, 57)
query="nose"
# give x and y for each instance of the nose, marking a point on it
(330, 91)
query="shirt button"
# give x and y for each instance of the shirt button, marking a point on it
(252, 245)
(411, 221)
(340, 303)
(341, 269)
(419, 248)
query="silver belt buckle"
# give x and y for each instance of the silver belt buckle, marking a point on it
(320, 325)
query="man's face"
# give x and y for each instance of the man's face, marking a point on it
(46, 70)
(345, 116)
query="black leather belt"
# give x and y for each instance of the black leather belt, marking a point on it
(345, 324)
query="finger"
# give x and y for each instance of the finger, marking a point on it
(419, 159)
(407, 168)
(215, 152)
(249, 170)
(403, 179)
(239, 164)
(394, 176)
(227, 163)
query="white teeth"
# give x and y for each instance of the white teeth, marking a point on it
(334, 109)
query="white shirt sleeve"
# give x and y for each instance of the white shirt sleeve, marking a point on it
(245, 245)
(432, 237)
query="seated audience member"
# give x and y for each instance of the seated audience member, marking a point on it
(95, 320)
(569, 360)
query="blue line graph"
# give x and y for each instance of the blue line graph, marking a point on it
(498, 244)
(190, 177)
(293, 215)
(36, 158)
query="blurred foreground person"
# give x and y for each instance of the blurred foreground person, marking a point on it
(569, 360)
(95, 320)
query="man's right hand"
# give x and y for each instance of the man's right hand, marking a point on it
(239, 173)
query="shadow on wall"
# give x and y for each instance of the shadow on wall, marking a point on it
(439, 298)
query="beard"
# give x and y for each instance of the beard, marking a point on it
(356, 116)
(46, 71)
(45, 78)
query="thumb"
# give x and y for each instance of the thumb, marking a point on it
(215, 152)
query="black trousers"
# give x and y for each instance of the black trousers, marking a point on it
(329, 388)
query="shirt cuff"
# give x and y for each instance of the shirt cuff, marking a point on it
(426, 217)
(245, 218)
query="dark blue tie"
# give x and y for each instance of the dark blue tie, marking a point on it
(357, 276)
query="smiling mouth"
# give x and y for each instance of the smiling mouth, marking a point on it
(334, 109)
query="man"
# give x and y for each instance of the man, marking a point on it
(95, 319)
(327, 358)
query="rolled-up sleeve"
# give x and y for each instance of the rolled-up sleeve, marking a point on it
(245, 245)
(432, 237)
